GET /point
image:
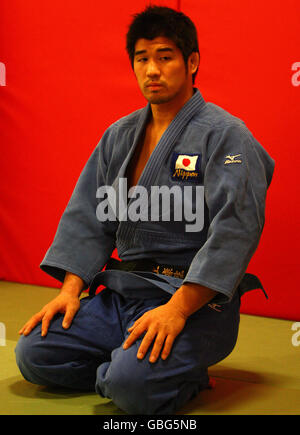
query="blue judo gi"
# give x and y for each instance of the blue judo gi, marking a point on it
(203, 146)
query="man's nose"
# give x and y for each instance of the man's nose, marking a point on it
(152, 69)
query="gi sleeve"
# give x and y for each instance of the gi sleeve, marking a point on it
(237, 175)
(82, 244)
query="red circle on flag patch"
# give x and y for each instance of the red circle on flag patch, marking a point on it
(186, 162)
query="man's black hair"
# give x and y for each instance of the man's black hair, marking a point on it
(157, 21)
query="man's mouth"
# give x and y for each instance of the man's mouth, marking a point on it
(154, 86)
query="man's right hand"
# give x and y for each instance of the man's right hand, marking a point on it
(67, 302)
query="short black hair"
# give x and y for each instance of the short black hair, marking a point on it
(157, 21)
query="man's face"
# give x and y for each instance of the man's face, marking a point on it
(160, 70)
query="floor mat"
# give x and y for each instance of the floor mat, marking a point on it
(261, 376)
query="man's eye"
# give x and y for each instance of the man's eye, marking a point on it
(142, 59)
(165, 58)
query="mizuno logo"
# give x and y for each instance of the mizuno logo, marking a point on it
(232, 159)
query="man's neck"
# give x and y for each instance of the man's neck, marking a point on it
(164, 113)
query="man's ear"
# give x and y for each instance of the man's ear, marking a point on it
(193, 62)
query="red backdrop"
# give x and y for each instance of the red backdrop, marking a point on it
(65, 77)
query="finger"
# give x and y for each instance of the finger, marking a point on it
(28, 327)
(68, 318)
(22, 329)
(146, 342)
(158, 344)
(46, 322)
(167, 347)
(136, 323)
(141, 319)
(135, 334)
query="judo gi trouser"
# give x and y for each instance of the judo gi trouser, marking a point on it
(89, 355)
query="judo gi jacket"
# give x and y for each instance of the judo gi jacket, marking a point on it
(204, 147)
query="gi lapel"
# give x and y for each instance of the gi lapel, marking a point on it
(139, 130)
(172, 133)
(144, 114)
(125, 233)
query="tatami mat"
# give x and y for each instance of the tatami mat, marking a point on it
(261, 376)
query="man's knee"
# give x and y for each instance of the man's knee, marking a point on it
(28, 358)
(50, 362)
(126, 388)
(140, 387)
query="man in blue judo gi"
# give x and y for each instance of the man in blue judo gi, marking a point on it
(170, 308)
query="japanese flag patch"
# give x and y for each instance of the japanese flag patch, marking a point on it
(186, 167)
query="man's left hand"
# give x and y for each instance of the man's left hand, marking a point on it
(162, 324)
